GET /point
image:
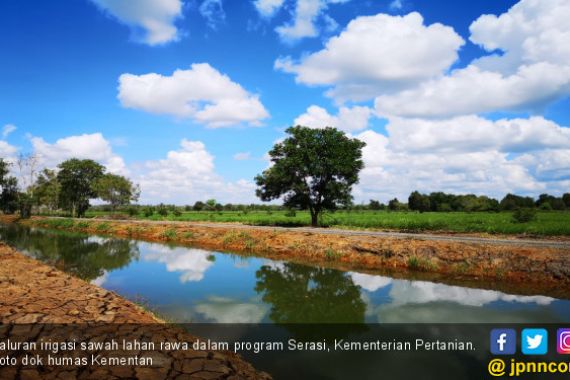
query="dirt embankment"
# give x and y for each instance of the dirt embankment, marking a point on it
(35, 297)
(524, 270)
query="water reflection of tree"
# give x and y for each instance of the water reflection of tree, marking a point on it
(74, 253)
(302, 294)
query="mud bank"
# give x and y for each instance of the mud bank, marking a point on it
(37, 298)
(519, 269)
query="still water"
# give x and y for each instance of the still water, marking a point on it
(184, 284)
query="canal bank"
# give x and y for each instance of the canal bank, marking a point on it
(39, 296)
(488, 264)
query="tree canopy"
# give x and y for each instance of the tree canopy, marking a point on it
(78, 180)
(117, 190)
(312, 169)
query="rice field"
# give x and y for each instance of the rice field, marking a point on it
(546, 222)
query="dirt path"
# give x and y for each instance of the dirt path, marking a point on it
(36, 299)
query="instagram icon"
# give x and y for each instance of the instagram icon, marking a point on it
(563, 341)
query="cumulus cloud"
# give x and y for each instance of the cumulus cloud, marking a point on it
(369, 282)
(200, 93)
(407, 292)
(192, 263)
(305, 17)
(7, 130)
(475, 134)
(530, 71)
(391, 171)
(473, 90)
(187, 175)
(377, 54)
(347, 119)
(268, 8)
(151, 21)
(228, 310)
(86, 146)
(7, 151)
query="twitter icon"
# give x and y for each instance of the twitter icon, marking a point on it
(534, 341)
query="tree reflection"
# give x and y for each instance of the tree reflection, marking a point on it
(302, 294)
(77, 254)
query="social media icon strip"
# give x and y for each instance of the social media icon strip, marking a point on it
(534, 341)
(503, 341)
(563, 341)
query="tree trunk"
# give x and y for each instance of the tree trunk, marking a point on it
(314, 219)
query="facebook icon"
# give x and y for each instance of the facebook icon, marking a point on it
(503, 341)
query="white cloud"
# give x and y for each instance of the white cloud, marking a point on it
(154, 18)
(531, 31)
(227, 310)
(369, 282)
(268, 8)
(188, 175)
(394, 171)
(7, 130)
(306, 14)
(200, 93)
(213, 12)
(531, 70)
(408, 292)
(87, 146)
(192, 263)
(476, 134)
(347, 119)
(7, 151)
(472, 90)
(376, 54)
(242, 156)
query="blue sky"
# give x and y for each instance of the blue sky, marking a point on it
(445, 97)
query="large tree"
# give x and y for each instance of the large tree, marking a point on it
(117, 190)
(77, 179)
(312, 169)
(47, 189)
(9, 184)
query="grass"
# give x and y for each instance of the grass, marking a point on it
(546, 222)
(169, 234)
(421, 264)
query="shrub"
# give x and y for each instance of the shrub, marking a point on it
(133, 211)
(148, 212)
(176, 212)
(291, 213)
(169, 234)
(162, 210)
(524, 215)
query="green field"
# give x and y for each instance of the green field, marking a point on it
(546, 223)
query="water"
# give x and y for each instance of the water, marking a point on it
(184, 284)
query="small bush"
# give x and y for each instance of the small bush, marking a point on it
(291, 213)
(169, 234)
(133, 211)
(524, 215)
(148, 212)
(103, 227)
(176, 212)
(162, 210)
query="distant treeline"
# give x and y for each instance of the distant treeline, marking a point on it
(434, 202)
